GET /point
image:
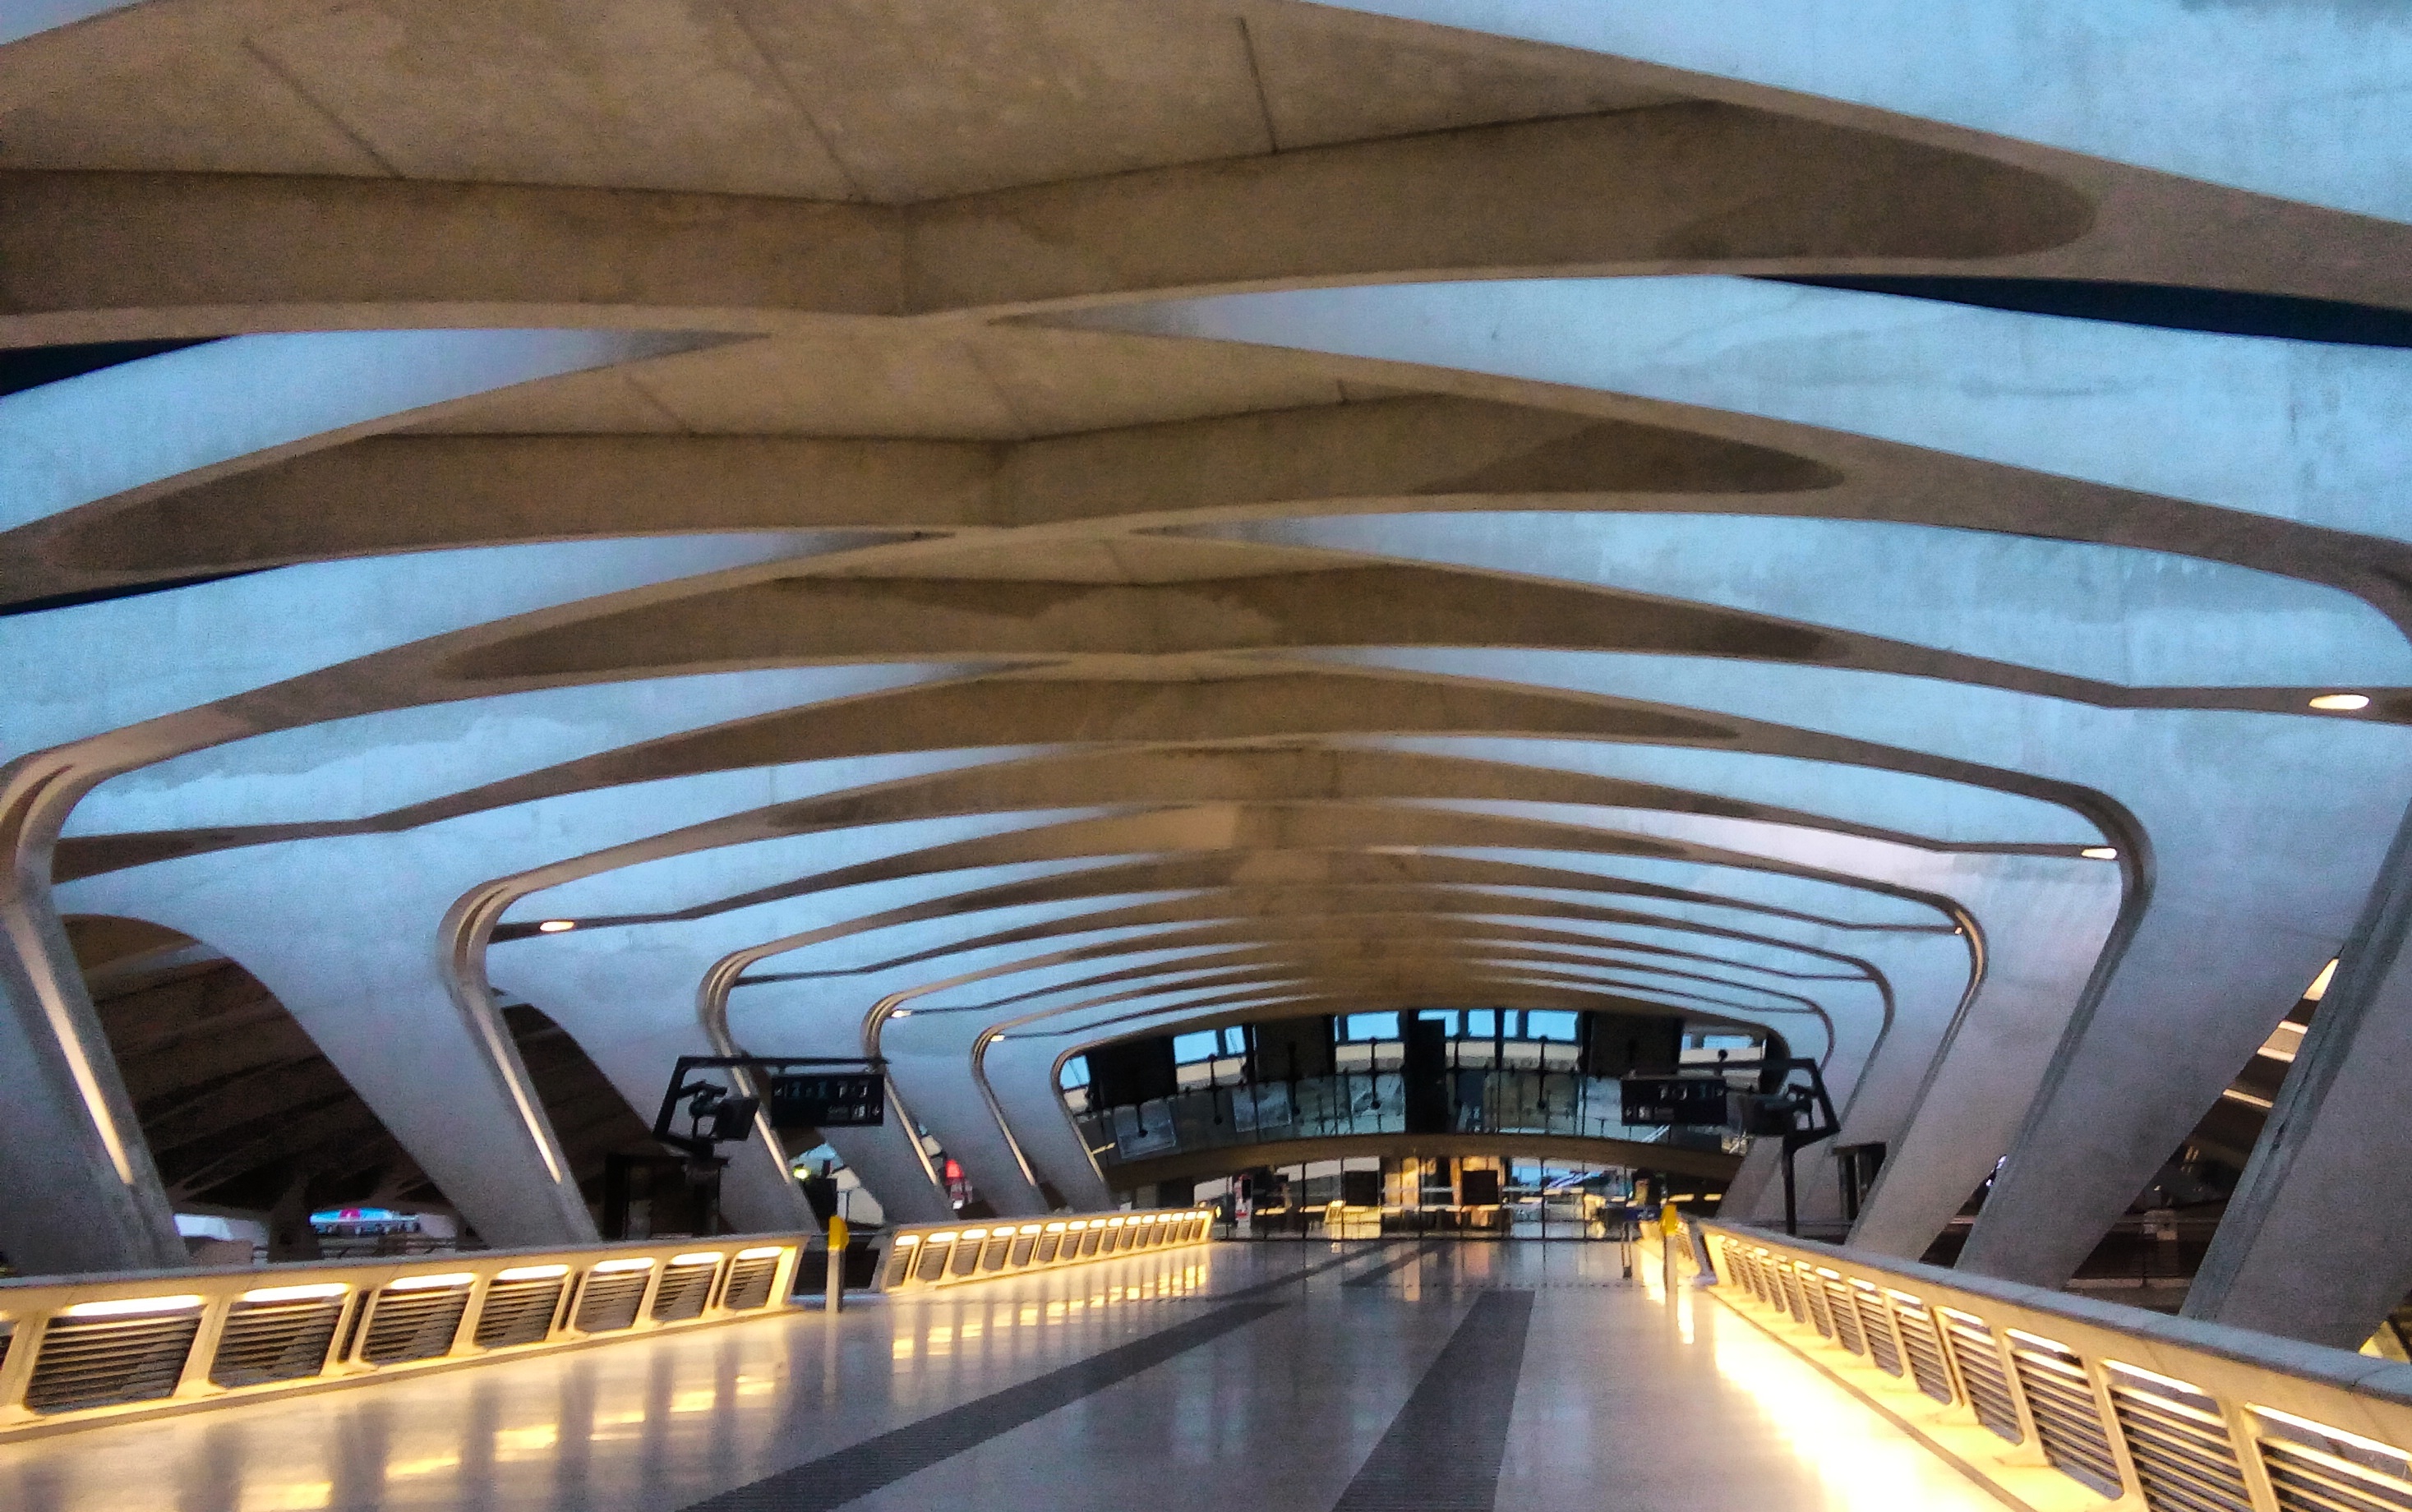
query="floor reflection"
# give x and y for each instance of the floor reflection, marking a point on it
(658, 1424)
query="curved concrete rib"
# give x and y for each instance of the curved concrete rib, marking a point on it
(457, 1101)
(1721, 767)
(919, 965)
(2023, 391)
(2219, 797)
(89, 1197)
(2148, 82)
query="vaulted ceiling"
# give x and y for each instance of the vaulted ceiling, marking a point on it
(1092, 516)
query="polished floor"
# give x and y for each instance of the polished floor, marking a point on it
(1315, 1377)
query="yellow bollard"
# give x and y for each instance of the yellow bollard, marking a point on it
(836, 1299)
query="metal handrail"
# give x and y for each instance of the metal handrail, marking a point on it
(922, 1255)
(2060, 1401)
(91, 1349)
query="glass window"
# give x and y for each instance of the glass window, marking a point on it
(1075, 1071)
(1444, 1015)
(1197, 1047)
(1481, 1023)
(1235, 1040)
(1549, 1024)
(1372, 1026)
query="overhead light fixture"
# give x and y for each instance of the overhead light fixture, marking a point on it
(2341, 703)
(2100, 853)
(131, 1306)
(556, 926)
(297, 1293)
(901, 1013)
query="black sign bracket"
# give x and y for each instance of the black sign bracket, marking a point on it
(802, 1090)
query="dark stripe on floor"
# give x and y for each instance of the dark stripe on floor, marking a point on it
(834, 1479)
(1261, 1288)
(1376, 1276)
(1443, 1451)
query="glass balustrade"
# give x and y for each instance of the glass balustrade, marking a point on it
(1500, 1101)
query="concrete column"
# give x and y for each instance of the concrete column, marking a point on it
(2316, 1242)
(2176, 1020)
(629, 999)
(344, 934)
(77, 1191)
(2042, 924)
(1021, 1074)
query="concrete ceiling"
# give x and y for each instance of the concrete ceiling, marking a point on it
(986, 526)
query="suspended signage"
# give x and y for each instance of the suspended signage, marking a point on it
(829, 1101)
(837, 1093)
(1675, 1101)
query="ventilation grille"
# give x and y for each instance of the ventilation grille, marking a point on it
(1917, 1336)
(1754, 1275)
(934, 1261)
(1844, 1312)
(1089, 1243)
(611, 1299)
(1022, 1250)
(1979, 1359)
(1813, 1291)
(684, 1289)
(900, 1260)
(414, 1325)
(992, 1258)
(1792, 1302)
(749, 1282)
(2061, 1401)
(1876, 1328)
(520, 1312)
(2177, 1439)
(92, 1362)
(276, 1341)
(1047, 1245)
(2315, 1468)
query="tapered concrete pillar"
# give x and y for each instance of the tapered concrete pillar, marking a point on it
(627, 998)
(77, 1191)
(1021, 1073)
(2316, 1242)
(344, 934)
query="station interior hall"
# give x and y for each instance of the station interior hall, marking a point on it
(767, 756)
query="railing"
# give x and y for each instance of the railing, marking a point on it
(944, 1254)
(1488, 1101)
(97, 1349)
(2063, 1401)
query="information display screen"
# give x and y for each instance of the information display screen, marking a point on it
(849, 1099)
(1675, 1101)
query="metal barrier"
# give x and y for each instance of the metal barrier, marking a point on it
(2061, 1402)
(97, 1349)
(946, 1254)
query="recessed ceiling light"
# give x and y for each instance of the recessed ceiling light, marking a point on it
(2342, 703)
(556, 926)
(2100, 853)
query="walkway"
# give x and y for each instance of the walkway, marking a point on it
(1269, 1377)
